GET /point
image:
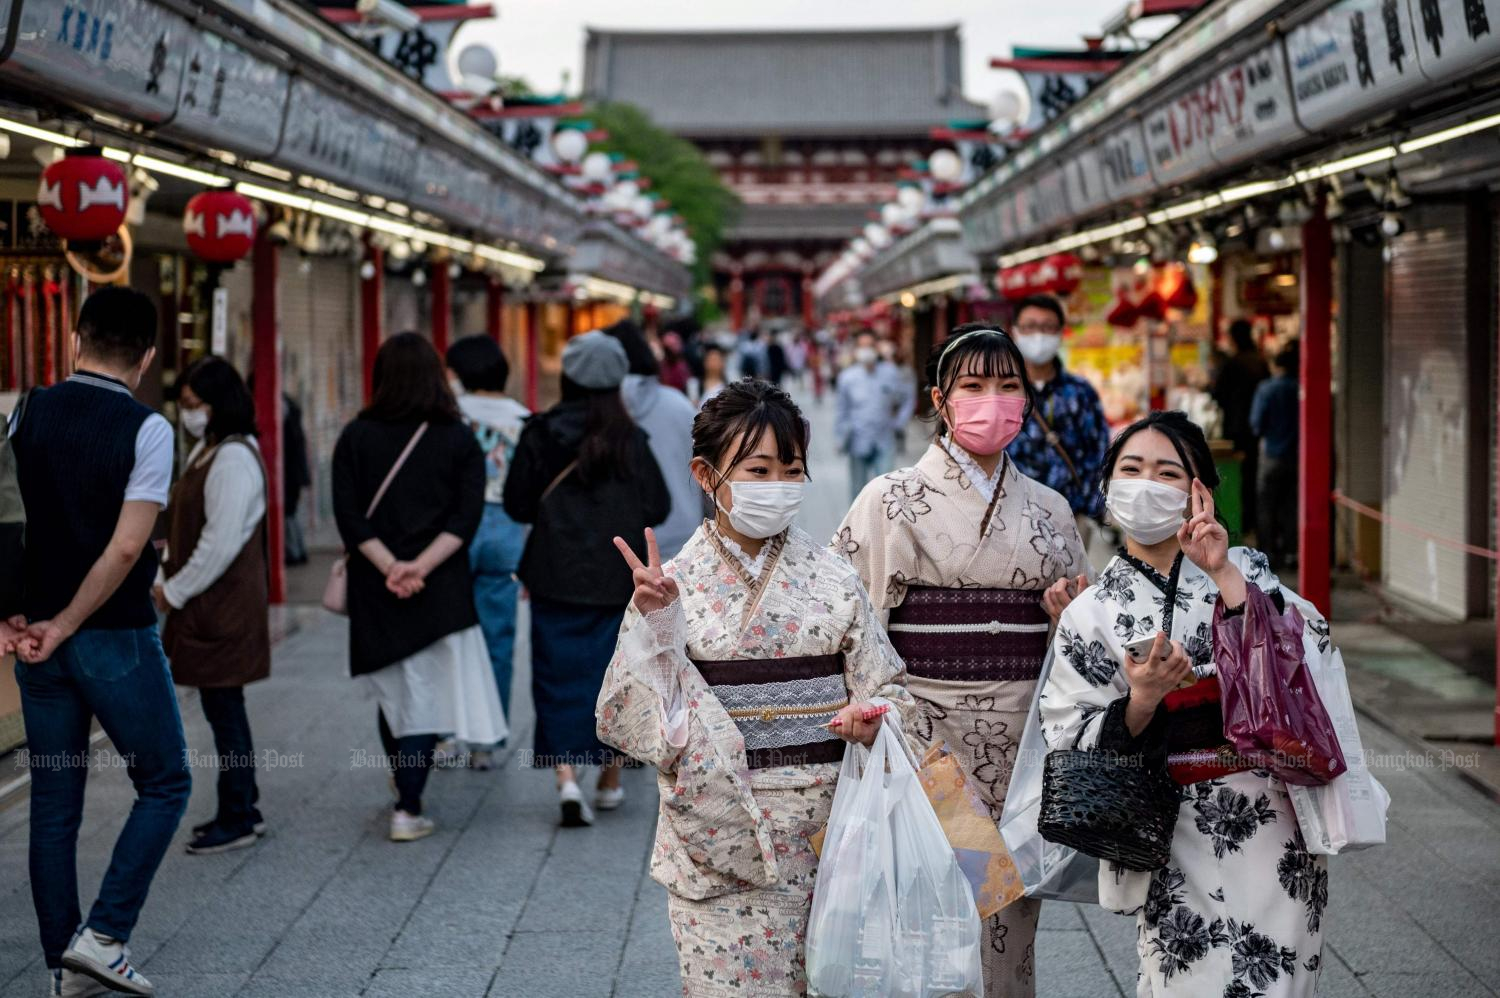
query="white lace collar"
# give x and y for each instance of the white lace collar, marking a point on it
(986, 484)
(753, 565)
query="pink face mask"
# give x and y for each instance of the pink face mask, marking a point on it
(986, 424)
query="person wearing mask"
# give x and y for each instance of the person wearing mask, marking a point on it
(712, 381)
(743, 667)
(408, 495)
(1062, 445)
(1238, 908)
(479, 369)
(675, 372)
(1274, 418)
(1234, 391)
(215, 591)
(904, 384)
(94, 468)
(583, 474)
(869, 403)
(667, 417)
(964, 555)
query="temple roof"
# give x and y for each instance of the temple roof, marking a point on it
(700, 84)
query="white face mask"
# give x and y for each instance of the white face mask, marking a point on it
(195, 421)
(866, 356)
(764, 509)
(1149, 512)
(1038, 348)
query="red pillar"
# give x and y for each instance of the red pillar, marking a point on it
(371, 314)
(940, 319)
(736, 302)
(809, 311)
(265, 361)
(533, 360)
(1315, 455)
(494, 310)
(442, 305)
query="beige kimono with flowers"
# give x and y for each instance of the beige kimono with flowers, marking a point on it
(931, 525)
(732, 843)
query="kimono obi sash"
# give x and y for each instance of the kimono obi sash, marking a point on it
(1196, 747)
(782, 706)
(968, 635)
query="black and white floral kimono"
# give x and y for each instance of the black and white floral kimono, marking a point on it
(1238, 910)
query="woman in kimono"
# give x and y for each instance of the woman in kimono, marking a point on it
(1237, 911)
(960, 550)
(743, 665)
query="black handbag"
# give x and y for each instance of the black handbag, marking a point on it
(1115, 807)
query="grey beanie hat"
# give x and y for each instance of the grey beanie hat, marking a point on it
(595, 360)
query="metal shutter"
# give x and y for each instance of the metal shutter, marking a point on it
(403, 307)
(1427, 473)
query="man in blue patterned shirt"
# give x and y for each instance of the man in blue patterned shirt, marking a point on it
(1063, 444)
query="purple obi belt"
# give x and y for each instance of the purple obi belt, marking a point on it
(782, 706)
(971, 635)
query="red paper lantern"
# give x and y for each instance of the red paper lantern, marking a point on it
(220, 225)
(1044, 276)
(1153, 306)
(1124, 314)
(1069, 273)
(1177, 290)
(1012, 283)
(83, 196)
(1031, 278)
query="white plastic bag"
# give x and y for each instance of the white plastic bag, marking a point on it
(1049, 871)
(892, 914)
(1348, 813)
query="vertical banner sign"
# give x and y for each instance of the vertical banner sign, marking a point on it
(218, 342)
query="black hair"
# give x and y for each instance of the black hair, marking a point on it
(1045, 302)
(409, 384)
(219, 386)
(117, 324)
(749, 406)
(1240, 332)
(604, 449)
(1187, 440)
(479, 364)
(990, 352)
(637, 350)
(709, 348)
(1290, 358)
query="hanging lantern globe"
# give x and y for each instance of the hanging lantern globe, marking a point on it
(946, 166)
(219, 225)
(1012, 283)
(570, 144)
(83, 196)
(892, 215)
(597, 167)
(1068, 273)
(911, 198)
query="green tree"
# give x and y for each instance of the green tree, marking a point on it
(677, 171)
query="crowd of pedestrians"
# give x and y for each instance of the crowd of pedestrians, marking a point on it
(678, 614)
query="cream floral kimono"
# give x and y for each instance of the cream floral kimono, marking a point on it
(944, 525)
(732, 841)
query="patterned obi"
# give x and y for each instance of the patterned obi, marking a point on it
(965, 635)
(1196, 747)
(781, 706)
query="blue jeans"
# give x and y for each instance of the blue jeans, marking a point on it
(864, 468)
(122, 678)
(494, 556)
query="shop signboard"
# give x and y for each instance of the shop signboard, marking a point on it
(125, 56)
(1085, 185)
(1356, 57)
(1252, 100)
(229, 98)
(447, 186)
(1123, 163)
(1177, 134)
(329, 137)
(1455, 37)
(1050, 206)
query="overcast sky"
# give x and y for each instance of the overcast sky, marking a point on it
(538, 39)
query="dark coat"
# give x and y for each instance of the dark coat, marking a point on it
(440, 489)
(570, 555)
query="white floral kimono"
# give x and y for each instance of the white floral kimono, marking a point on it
(728, 693)
(1237, 912)
(958, 562)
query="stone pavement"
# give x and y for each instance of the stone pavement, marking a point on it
(502, 903)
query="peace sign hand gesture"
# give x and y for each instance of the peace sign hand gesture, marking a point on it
(1203, 539)
(654, 590)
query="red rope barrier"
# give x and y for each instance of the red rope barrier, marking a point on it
(1342, 500)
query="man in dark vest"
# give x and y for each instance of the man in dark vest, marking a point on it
(94, 466)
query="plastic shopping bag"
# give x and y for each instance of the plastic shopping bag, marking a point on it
(893, 915)
(1050, 871)
(1348, 813)
(1273, 714)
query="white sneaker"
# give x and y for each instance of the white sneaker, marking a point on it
(68, 984)
(410, 827)
(609, 798)
(575, 810)
(106, 961)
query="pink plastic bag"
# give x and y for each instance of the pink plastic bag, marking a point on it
(1273, 715)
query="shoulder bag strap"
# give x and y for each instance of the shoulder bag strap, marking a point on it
(411, 445)
(1051, 438)
(558, 480)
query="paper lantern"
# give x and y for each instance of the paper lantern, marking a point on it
(1044, 276)
(946, 165)
(1068, 271)
(219, 225)
(597, 167)
(911, 198)
(1177, 290)
(83, 196)
(1124, 313)
(570, 144)
(1012, 283)
(1152, 307)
